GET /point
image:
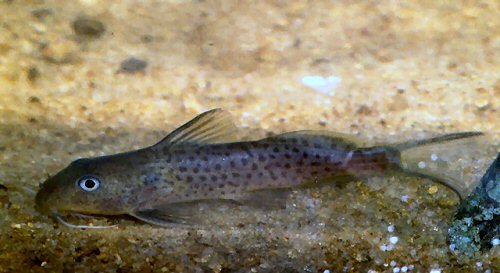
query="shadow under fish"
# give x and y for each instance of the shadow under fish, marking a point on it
(205, 161)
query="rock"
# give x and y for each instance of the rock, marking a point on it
(41, 13)
(88, 27)
(133, 65)
(477, 221)
(60, 52)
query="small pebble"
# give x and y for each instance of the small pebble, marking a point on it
(60, 52)
(404, 268)
(434, 157)
(421, 165)
(394, 240)
(88, 27)
(133, 65)
(404, 198)
(390, 228)
(435, 270)
(396, 270)
(433, 190)
(495, 242)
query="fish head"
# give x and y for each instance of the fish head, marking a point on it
(86, 186)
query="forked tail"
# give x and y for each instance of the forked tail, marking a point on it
(428, 158)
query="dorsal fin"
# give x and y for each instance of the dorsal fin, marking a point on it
(321, 134)
(213, 126)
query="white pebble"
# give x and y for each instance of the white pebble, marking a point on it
(479, 264)
(421, 165)
(435, 270)
(452, 247)
(394, 240)
(383, 247)
(322, 84)
(495, 242)
(326, 271)
(393, 263)
(396, 270)
(404, 268)
(434, 157)
(404, 198)
(390, 247)
(390, 228)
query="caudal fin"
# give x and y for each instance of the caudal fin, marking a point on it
(433, 159)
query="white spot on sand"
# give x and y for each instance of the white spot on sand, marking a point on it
(404, 268)
(434, 157)
(390, 228)
(396, 270)
(322, 84)
(435, 270)
(495, 242)
(404, 198)
(393, 263)
(394, 240)
(421, 164)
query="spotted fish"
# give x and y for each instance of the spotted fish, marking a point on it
(203, 161)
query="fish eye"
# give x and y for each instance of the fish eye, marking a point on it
(88, 183)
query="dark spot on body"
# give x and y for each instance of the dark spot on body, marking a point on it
(182, 169)
(236, 175)
(244, 161)
(305, 155)
(203, 178)
(213, 178)
(218, 167)
(287, 165)
(189, 179)
(276, 150)
(195, 170)
(262, 158)
(254, 166)
(249, 175)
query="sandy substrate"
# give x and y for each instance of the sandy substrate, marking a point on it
(397, 71)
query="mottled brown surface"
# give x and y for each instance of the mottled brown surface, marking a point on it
(407, 70)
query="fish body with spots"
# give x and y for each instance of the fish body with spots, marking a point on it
(203, 161)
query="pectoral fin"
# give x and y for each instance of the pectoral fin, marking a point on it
(186, 213)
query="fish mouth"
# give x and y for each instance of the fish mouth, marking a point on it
(60, 218)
